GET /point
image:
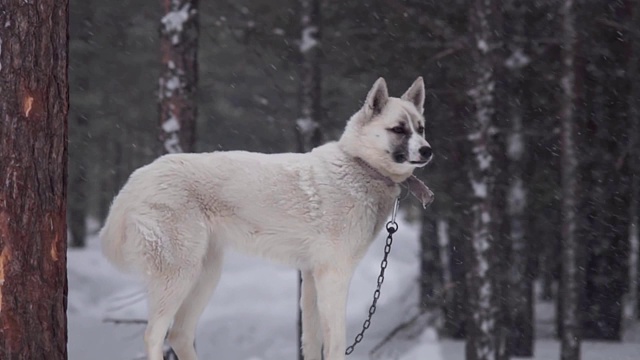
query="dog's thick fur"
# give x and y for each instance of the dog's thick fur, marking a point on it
(318, 212)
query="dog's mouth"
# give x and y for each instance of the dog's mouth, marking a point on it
(422, 162)
(401, 158)
(419, 163)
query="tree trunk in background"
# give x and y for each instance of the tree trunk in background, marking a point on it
(570, 291)
(431, 276)
(77, 209)
(607, 228)
(634, 158)
(178, 81)
(179, 75)
(81, 23)
(520, 282)
(34, 104)
(456, 310)
(308, 129)
(484, 337)
(308, 124)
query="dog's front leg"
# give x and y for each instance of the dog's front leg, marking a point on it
(332, 285)
(311, 334)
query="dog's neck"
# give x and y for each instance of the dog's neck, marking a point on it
(374, 172)
(416, 187)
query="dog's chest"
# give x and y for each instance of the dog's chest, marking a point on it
(362, 222)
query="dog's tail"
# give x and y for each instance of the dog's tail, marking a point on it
(119, 248)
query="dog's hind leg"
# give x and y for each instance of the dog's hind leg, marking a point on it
(179, 263)
(165, 293)
(183, 331)
(311, 331)
(332, 285)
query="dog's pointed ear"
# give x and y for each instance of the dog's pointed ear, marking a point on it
(416, 94)
(377, 98)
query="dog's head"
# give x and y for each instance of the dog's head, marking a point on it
(388, 133)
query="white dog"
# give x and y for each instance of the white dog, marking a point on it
(318, 212)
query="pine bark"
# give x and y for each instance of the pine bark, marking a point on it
(308, 129)
(34, 103)
(179, 30)
(570, 336)
(484, 337)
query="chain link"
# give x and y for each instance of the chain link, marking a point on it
(392, 227)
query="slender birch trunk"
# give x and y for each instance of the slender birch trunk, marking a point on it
(570, 336)
(484, 337)
(520, 289)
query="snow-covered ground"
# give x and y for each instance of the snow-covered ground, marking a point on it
(252, 315)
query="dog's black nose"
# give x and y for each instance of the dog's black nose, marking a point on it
(425, 152)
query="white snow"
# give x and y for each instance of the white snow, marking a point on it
(308, 40)
(479, 189)
(517, 60)
(515, 145)
(253, 311)
(174, 21)
(443, 242)
(172, 144)
(252, 315)
(482, 46)
(517, 197)
(171, 125)
(485, 217)
(172, 83)
(306, 125)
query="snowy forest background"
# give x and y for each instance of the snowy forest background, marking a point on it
(260, 72)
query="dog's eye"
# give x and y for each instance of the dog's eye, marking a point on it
(421, 130)
(398, 129)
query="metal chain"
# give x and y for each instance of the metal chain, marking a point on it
(392, 227)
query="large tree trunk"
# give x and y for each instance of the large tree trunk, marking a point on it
(179, 75)
(484, 339)
(520, 282)
(308, 129)
(570, 336)
(34, 102)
